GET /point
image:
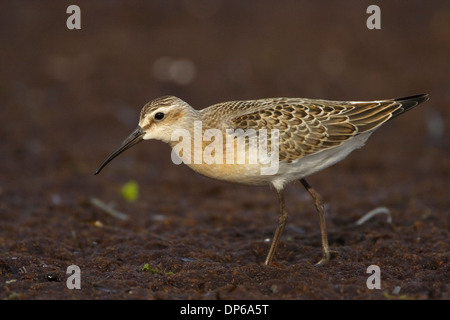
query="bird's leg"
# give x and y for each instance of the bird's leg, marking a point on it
(278, 232)
(323, 227)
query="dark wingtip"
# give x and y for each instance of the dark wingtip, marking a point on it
(418, 98)
(410, 102)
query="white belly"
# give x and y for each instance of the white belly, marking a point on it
(313, 163)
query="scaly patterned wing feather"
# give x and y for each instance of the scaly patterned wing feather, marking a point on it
(309, 126)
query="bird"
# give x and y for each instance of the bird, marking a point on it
(289, 138)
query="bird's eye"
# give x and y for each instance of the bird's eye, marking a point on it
(159, 116)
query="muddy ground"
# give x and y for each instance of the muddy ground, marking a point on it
(68, 97)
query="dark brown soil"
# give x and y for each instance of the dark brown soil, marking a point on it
(68, 97)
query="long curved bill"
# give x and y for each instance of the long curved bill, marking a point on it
(134, 138)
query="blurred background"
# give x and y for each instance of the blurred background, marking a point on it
(79, 92)
(69, 97)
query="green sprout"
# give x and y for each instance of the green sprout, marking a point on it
(12, 296)
(130, 191)
(402, 297)
(147, 268)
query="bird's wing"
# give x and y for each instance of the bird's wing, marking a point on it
(308, 126)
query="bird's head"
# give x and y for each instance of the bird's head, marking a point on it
(158, 119)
